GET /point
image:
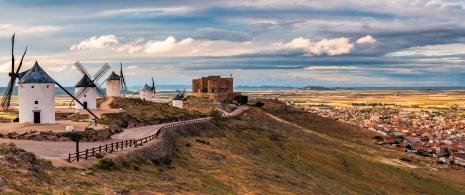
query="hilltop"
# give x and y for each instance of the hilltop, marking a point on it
(265, 150)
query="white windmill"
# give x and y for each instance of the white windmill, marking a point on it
(178, 100)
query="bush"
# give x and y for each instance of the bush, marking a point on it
(88, 128)
(75, 136)
(215, 114)
(405, 159)
(106, 164)
(98, 155)
(188, 145)
(378, 137)
(259, 104)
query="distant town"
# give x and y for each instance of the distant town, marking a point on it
(437, 134)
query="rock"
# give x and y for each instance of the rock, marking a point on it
(10, 159)
(122, 191)
(78, 181)
(35, 169)
(32, 136)
(28, 157)
(53, 138)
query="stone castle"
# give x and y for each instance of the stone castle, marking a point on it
(214, 88)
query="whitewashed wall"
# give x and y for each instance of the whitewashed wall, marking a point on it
(44, 94)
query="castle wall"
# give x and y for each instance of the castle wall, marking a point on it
(214, 88)
(90, 97)
(37, 97)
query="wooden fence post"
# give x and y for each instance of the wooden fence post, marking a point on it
(86, 153)
(69, 157)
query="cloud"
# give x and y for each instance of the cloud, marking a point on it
(167, 45)
(95, 43)
(331, 47)
(58, 68)
(221, 34)
(366, 39)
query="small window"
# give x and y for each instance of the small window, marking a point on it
(36, 102)
(32, 86)
(48, 86)
(85, 95)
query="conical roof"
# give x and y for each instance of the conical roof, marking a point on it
(146, 88)
(113, 76)
(85, 82)
(178, 97)
(36, 75)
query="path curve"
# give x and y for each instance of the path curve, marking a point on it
(49, 149)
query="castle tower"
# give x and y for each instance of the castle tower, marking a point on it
(146, 93)
(36, 91)
(89, 98)
(177, 101)
(113, 84)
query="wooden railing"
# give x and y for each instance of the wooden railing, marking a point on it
(115, 146)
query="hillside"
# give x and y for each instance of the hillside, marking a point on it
(264, 151)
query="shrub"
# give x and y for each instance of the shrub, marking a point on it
(405, 159)
(259, 104)
(215, 114)
(378, 137)
(88, 128)
(106, 164)
(188, 145)
(98, 155)
(75, 136)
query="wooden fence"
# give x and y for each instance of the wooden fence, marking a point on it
(115, 146)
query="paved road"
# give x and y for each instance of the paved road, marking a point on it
(61, 149)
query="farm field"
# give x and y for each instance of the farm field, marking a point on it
(413, 100)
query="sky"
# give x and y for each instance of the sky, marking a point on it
(332, 43)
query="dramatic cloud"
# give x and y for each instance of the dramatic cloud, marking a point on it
(331, 47)
(272, 42)
(366, 39)
(95, 43)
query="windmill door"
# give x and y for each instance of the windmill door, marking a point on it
(36, 117)
(85, 105)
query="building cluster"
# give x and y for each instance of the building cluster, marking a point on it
(437, 134)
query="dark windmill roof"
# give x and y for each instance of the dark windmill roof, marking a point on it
(36, 75)
(21, 74)
(146, 88)
(113, 76)
(178, 97)
(85, 82)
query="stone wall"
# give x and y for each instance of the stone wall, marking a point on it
(87, 136)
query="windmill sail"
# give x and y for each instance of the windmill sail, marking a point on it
(13, 76)
(124, 87)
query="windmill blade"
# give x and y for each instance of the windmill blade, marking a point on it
(135, 93)
(12, 54)
(153, 86)
(81, 69)
(21, 62)
(7, 95)
(78, 92)
(74, 98)
(183, 93)
(100, 93)
(83, 92)
(101, 72)
(124, 87)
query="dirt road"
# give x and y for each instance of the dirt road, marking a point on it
(48, 149)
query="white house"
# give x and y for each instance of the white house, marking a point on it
(36, 91)
(177, 101)
(113, 84)
(89, 96)
(146, 93)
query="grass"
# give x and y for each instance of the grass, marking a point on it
(259, 153)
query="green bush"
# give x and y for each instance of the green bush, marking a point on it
(106, 164)
(215, 114)
(75, 136)
(88, 128)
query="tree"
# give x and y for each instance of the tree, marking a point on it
(409, 147)
(241, 99)
(215, 114)
(259, 104)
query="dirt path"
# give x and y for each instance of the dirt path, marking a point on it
(106, 105)
(60, 150)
